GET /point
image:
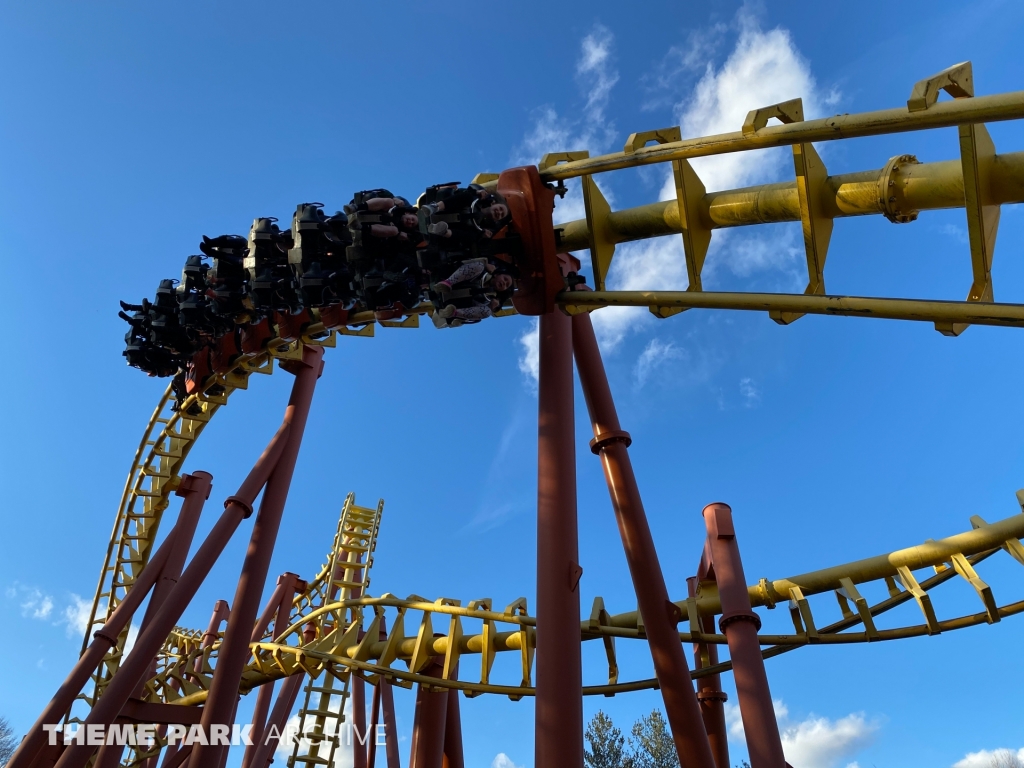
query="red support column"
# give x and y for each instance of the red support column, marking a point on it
(234, 651)
(428, 727)
(103, 640)
(281, 602)
(740, 624)
(453, 755)
(148, 644)
(357, 729)
(387, 700)
(282, 709)
(167, 560)
(559, 699)
(659, 613)
(109, 755)
(709, 689)
(371, 756)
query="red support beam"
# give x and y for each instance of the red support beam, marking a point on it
(371, 753)
(660, 615)
(194, 490)
(709, 689)
(357, 729)
(739, 623)
(280, 603)
(387, 700)
(134, 667)
(559, 698)
(428, 727)
(453, 755)
(234, 650)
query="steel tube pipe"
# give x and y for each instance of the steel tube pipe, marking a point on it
(931, 186)
(740, 625)
(387, 699)
(943, 114)
(148, 644)
(974, 313)
(709, 689)
(660, 615)
(104, 639)
(559, 704)
(234, 651)
(428, 728)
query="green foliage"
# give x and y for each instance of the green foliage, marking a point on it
(7, 741)
(607, 744)
(651, 744)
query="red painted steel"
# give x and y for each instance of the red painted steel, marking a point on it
(234, 650)
(359, 734)
(660, 615)
(531, 203)
(387, 700)
(559, 698)
(281, 603)
(194, 491)
(147, 645)
(709, 689)
(740, 624)
(281, 711)
(371, 751)
(453, 755)
(428, 727)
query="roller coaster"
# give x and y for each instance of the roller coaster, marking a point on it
(278, 298)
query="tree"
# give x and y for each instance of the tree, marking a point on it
(1006, 758)
(7, 741)
(607, 744)
(651, 744)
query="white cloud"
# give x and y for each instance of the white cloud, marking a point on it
(954, 232)
(596, 76)
(501, 760)
(76, 616)
(655, 354)
(749, 392)
(645, 265)
(529, 357)
(33, 602)
(822, 743)
(996, 758)
(816, 742)
(764, 68)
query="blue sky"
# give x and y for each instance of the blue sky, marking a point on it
(129, 131)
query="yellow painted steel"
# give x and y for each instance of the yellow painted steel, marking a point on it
(923, 187)
(338, 648)
(980, 181)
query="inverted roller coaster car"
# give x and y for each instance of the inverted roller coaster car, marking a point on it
(531, 203)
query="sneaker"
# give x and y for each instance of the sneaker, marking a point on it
(448, 311)
(441, 228)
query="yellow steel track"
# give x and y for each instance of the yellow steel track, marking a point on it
(980, 181)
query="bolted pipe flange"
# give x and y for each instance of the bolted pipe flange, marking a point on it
(892, 183)
(605, 439)
(712, 696)
(729, 618)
